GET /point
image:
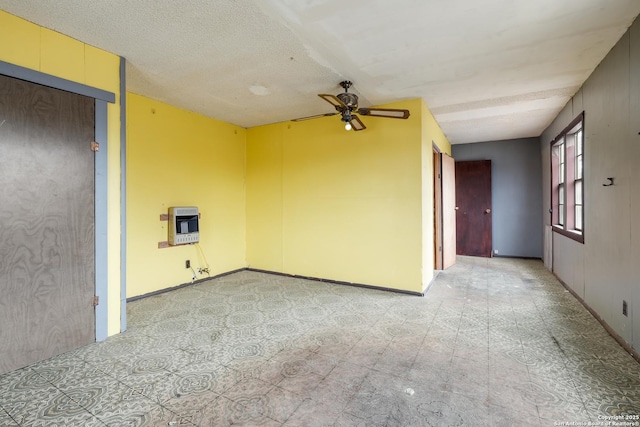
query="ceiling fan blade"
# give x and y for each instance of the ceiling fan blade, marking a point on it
(391, 113)
(313, 117)
(333, 100)
(356, 123)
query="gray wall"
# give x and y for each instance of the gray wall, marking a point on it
(605, 270)
(516, 173)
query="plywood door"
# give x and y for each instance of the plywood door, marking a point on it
(448, 211)
(46, 222)
(473, 200)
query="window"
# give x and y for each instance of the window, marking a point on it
(567, 173)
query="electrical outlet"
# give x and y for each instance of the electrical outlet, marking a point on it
(624, 308)
(187, 264)
(495, 252)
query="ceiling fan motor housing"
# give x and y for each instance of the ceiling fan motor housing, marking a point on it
(349, 99)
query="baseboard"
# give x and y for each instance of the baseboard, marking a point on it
(336, 282)
(517, 257)
(606, 326)
(184, 285)
(339, 282)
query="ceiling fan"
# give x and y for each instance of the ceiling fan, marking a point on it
(346, 104)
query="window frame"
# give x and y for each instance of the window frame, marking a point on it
(570, 225)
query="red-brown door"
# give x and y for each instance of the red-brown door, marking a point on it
(473, 208)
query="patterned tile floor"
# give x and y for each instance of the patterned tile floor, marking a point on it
(496, 342)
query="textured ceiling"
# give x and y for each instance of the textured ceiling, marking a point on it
(488, 69)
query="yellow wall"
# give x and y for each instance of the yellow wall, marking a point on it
(32, 46)
(319, 201)
(179, 158)
(264, 197)
(324, 202)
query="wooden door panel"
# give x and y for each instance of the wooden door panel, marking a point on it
(473, 214)
(46, 222)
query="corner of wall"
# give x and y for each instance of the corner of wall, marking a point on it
(431, 134)
(179, 158)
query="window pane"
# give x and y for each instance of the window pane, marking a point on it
(579, 167)
(567, 177)
(579, 143)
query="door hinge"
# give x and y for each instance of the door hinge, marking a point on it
(96, 300)
(95, 146)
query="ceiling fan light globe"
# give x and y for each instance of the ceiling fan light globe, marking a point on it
(347, 126)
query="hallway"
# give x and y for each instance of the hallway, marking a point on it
(495, 342)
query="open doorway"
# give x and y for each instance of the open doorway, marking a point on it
(437, 209)
(444, 216)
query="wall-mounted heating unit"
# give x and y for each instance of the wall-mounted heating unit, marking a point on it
(184, 227)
